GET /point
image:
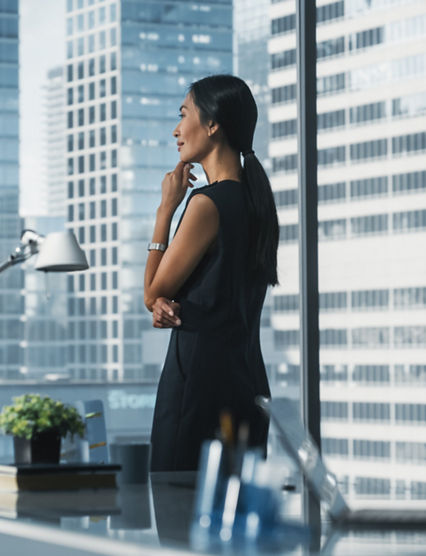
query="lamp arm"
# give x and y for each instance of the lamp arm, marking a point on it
(28, 246)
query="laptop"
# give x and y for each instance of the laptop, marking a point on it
(300, 446)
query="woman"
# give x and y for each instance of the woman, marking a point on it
(209, 284)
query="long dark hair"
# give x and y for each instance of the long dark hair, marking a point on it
(227, 100)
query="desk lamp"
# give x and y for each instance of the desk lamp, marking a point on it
(57, 252)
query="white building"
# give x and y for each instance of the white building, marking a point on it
(371, 104)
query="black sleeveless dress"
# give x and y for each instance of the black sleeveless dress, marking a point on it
(214, 360)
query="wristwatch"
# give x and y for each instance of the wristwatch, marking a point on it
(157, 246)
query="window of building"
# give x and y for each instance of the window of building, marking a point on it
(370, 411)
(287, 93)
(286, 198)
(334, 410)
(333, 337)
(332, 155)
(371, 373)
(330, 47)
(371, 449)
(369, 187)
(370, 337)
(410, 181)
(332, 192)
(370, 299)
(371, 224)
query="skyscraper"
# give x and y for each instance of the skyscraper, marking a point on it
(11, 301)
(54, 105)
(371, 103)
(128, 65)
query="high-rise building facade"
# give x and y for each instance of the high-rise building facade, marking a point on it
(128, 67)
(55, 130)
(371, 104)
(11, 281)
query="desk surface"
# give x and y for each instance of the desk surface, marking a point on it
(151, 519)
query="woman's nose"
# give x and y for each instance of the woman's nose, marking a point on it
(176, 132)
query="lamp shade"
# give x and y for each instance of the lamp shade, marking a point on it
(60, 252)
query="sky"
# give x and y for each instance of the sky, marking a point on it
(42, 46)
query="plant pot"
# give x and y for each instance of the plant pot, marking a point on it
(44, 447)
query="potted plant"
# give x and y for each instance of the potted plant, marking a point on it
(37, 424)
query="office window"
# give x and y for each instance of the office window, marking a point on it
(330, 11)
(91, 91)
(334, 373)
(332, 446)
(335, 338)
(287, 93)
(331, 47)
(332, 229)
(369, 187)
(331, 155)
(283, 129)
(369, 149)
(286, 163)
(410, 413)
(370, 299)
(409, 298)
(373, 486)
(367, 112)
(410, 336)
(331, 84)
(334, 410)
(371, 373)
(372, 224)
(409, 220)
(409, 143)
(286, 198)
(283, 24)
(330, 120)
(410, 181)
(371, 449)
(369, 411)
(289, 233)
(283, 59)
(370, 337)
(333, 301)
(332, 192)
(102, 64)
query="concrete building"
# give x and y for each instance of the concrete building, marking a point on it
(371, 89)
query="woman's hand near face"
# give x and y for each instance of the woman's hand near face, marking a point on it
(165, 313)
(175, 185)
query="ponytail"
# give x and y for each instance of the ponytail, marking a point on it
(264, 229)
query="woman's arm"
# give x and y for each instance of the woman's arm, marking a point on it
(166, 272)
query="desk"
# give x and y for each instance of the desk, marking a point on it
(154, 519)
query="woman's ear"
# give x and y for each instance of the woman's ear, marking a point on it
(212, 128)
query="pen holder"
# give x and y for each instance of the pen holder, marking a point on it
(240, 511)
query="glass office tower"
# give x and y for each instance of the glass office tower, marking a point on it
(11, 301)
(371, 103)
(55, 132)
(128, 66)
